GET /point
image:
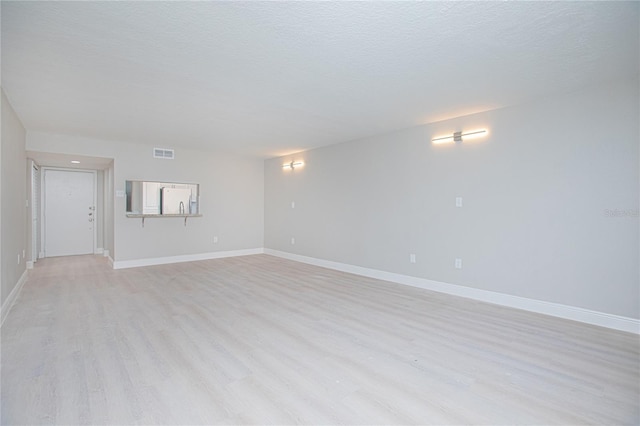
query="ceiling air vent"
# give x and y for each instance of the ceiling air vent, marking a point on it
(165, 153)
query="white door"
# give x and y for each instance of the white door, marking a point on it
(69, 212)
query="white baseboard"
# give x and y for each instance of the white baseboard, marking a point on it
(30, 264)
(121, 264)
(99, 250)
(602, 319)
(111, 262)
(105, 253)
(13, 296)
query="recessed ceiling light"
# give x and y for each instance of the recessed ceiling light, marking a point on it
(75, 162)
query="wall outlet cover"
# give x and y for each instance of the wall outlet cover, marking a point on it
(458, 263)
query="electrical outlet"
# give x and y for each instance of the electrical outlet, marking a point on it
(293, 241)
(23, 254)
(18, 258)
(412, 258)
(215, 240)
(293, 204)
(458, 263)
(458, 201)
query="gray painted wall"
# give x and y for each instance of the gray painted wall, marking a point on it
(231, 188)
(13, 232)
(538, 193)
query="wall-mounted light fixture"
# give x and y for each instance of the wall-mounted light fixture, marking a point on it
(460, 136)
(292, 165)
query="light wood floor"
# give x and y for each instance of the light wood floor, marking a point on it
(259, 339)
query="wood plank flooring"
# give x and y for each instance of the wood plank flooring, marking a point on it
(262, 340)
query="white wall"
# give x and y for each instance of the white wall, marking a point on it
(108, 225)
(231, 189)
(29, 224)
(99, 217)
(537, 193)
(13, 217)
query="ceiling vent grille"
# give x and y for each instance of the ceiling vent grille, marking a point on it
(164, 153)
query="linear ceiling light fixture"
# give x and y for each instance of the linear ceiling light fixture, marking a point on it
(459, 136)
(292, 165)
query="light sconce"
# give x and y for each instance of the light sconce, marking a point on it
(459, 136)
(292, 165)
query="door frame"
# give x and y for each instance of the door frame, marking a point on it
(43, 208)
(36, 210)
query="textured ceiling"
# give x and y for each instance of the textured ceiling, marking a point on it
(270, 78)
